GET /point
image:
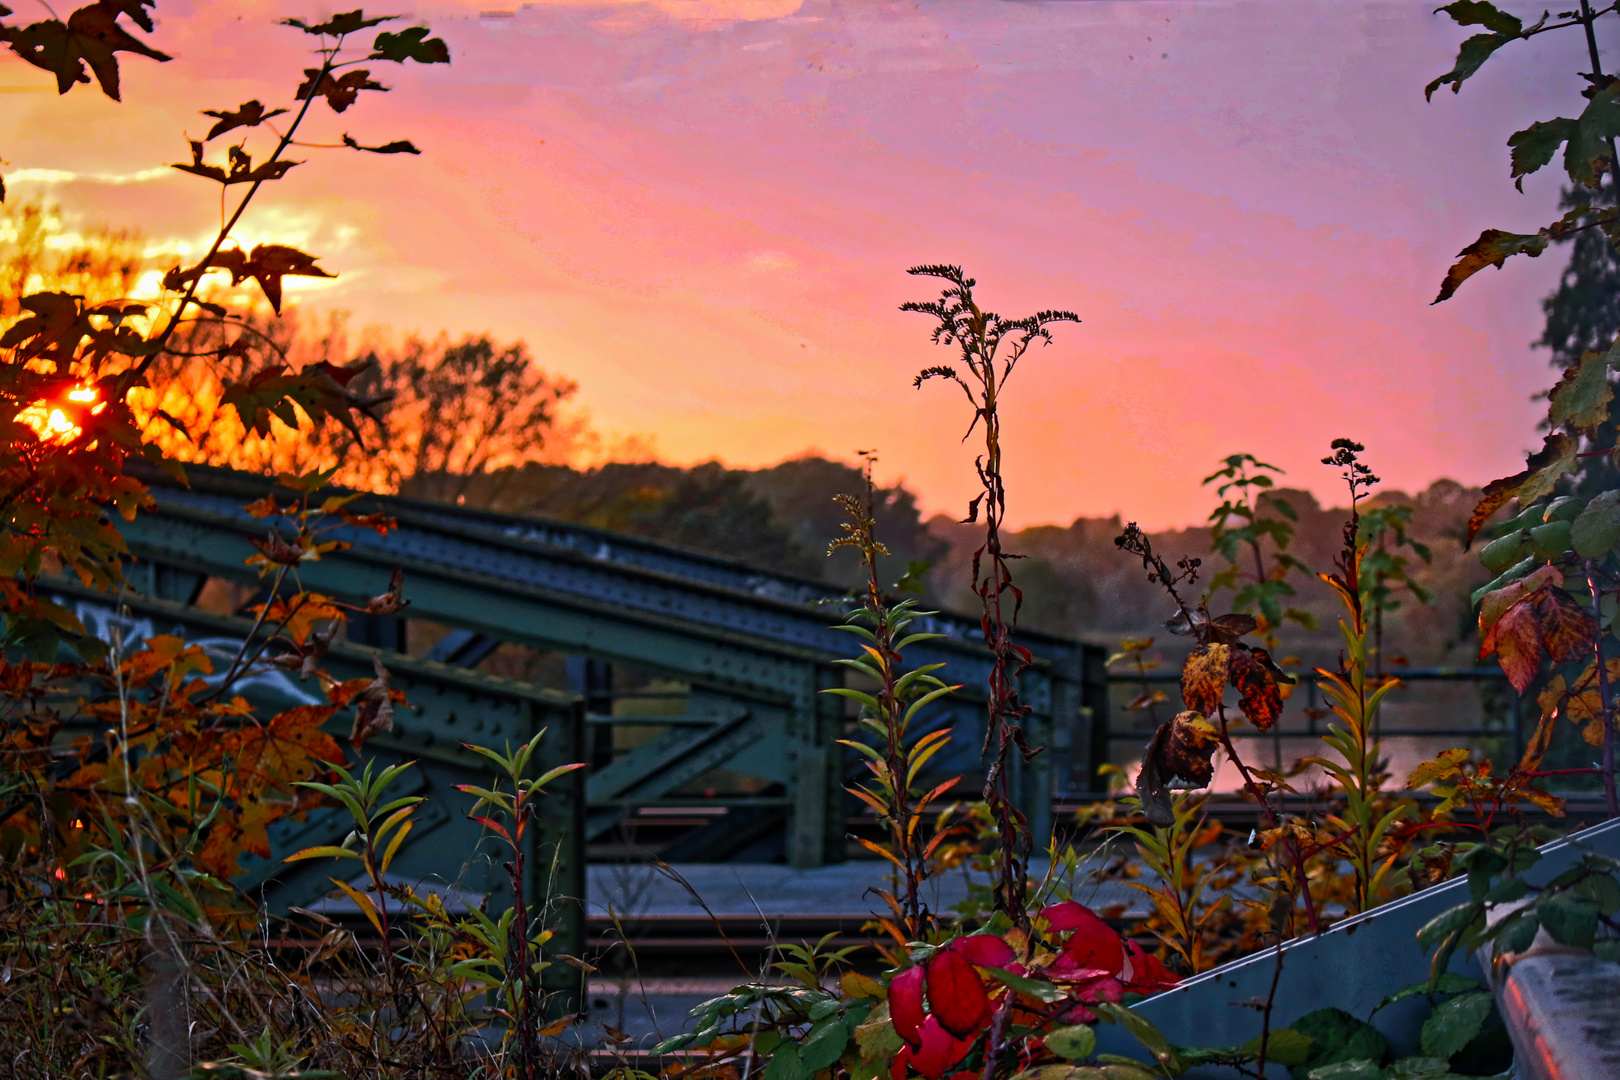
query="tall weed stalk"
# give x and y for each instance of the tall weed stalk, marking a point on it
(888, 707)
(989, 348)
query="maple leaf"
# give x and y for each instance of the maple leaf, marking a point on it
(269, 263)
(298, 615)
(346, 23)
(268, 507)
(248, 114)
(410, 44)
(394, 599)
(241, 171)
(400, 146)
(277, 549)
(91, 36)
(234, 834)
(374, 707)
(52, 330)
(136, 10)
(339, 93)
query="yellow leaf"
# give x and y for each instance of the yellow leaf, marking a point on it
(1203, 678)
(856, 985)
(393, 846)
(367, 908)
(325, 851)
(1447, 763)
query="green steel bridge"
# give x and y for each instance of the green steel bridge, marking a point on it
(752, 651)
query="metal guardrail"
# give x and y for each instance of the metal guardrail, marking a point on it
(1360, 960)
(1562, 1009)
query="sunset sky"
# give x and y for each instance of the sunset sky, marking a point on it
(703, 210)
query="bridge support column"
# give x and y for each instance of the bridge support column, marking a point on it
(554, 861)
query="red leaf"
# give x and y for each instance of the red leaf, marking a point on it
(940, 1049)
(955, 993)
(493, 825)
(1262, 700)
(1092, 943)
(906, 1004)
(1517, 644)
(985, 950)
(1146, 975)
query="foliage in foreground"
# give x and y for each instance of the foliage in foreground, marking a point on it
(134, 780)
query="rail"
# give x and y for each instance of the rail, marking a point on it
(1308, 684)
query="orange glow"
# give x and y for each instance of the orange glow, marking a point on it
(52, 423)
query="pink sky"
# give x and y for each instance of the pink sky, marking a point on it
(702, 210)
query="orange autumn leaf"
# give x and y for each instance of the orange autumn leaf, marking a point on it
(1203, 677)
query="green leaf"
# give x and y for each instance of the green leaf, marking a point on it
(825, 1046)
(1360, 1069)
(1556, 457)
(1601, 891)
(1580, 401)
(1450, 983)
(1072, 1043)
(1597, 530)
(1455, 1023)
(785, 1064)
(1470, 58)
(1420, 1068)
(1504, 551)
(1507, 890)
(1146, 1032)
(1040, 991)
(1336, 1036)
(675, 1042)
(1587, 156)
(1535, 146)
(1445, 924)
(1568, 922)
(1285, 1047)
(855, 695)
(411, 44)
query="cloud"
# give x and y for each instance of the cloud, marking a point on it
(688, 12)
(65, 176)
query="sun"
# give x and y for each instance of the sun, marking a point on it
(53, 423)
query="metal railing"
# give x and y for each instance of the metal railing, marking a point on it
(1310, 720)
